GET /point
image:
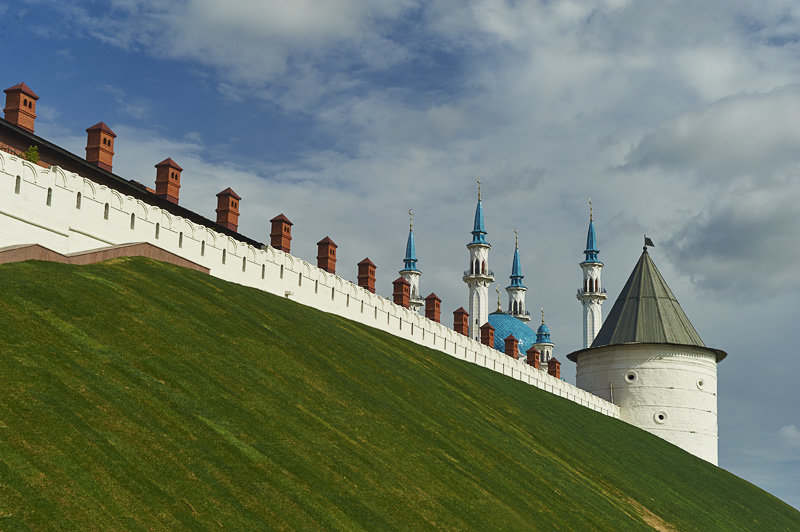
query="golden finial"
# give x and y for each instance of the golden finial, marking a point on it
(479, 188)
(591, 211)
(516, 239)
(410, 220)
(499, 305)
(542, 309)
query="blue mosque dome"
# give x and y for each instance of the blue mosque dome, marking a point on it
(543, 334)
(505, 324)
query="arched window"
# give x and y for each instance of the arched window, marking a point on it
(49, 197)
(78, 201)
(105, 215)
(316, 286)
(223, 256)
(203, 248)
(333, 292)
(244, 263)
(299, 279)
(158, 230)
(180, 239)
(281, 271)
(17, 185)
(133, 220)
(483, 267)
(263, 270)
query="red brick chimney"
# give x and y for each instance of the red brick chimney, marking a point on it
(433, 307)
(281, 233)
(461, 321)
(554, 368)
(512, 346)
(401, 292)
(168, 180)
(20, 106)
(100, 146)
(487, 334)
(228, 209)
(326, 255)
(366, 274)
(533, 357)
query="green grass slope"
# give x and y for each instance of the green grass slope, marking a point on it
(139, 395)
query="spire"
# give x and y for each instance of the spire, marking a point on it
(516, 266)
(479, 228)
(591, 250)
(411, 255)
(499, 305)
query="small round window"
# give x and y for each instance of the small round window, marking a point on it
(660, 417)
(631, 377)
(700, 384)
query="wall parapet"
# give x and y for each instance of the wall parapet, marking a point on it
(68, 213)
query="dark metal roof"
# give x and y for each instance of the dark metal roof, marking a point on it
(647, 312)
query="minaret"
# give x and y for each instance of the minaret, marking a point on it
(516, 290)
(478, 277)
(410, 272)
(543, 343)
(591, 294)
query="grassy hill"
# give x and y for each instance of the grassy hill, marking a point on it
(139, 395)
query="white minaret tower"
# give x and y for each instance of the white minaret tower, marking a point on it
(516, 290)
(591, 294)
(410, 272)
(478, 277)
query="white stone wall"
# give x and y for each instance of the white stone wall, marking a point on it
(25, 218)
(670, 391)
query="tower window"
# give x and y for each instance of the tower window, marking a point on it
(224, 255)
(78, 201)
(244, 263)
(133, 220)
(158, 230)
(180, 239)
(263, 270)
(281, 271)
(105, 216)
(17, 185)
(316, 286)
(49, 197)
(203, 248)
(299, 279)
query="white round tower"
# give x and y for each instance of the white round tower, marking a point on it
(649, 360)
(591, 294)
(478, 276)
(410, 272)
(516, 290)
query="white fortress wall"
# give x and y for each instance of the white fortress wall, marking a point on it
(105, 217)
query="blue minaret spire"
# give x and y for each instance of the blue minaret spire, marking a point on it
(411, 255)
(516, 290)
(591, 294)
(516, 267)
(479, 227)
(591, 250)
(410, 272)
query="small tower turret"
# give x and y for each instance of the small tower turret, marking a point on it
(591, 294)
(516, 290)
(478, 277)
(543, 343)
(410, 272)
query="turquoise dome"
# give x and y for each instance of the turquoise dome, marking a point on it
(505, 324)
(543, 334)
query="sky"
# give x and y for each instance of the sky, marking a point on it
(680, 119)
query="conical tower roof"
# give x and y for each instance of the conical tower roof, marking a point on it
(647, 312)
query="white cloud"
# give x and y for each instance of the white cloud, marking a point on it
(789, 435)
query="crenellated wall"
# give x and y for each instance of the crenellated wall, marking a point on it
(69, 213)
